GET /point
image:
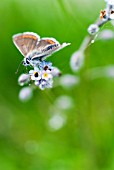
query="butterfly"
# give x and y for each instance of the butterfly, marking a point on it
(34, 49)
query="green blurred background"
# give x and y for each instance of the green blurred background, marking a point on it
(86, 139)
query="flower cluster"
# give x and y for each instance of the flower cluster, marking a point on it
(106, 15)
(42, 76)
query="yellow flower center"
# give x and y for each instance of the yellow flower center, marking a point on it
(46, 75)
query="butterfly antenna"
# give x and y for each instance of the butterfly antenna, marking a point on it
(18, 67)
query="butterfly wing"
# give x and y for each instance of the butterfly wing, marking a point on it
(46, 47)
(26, 42)
(30, 45)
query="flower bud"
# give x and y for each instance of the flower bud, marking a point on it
(25, 94)
(106, 34)
(93, 29)
(77, 61)
(110, 2)
(23, 79)
(56, 72)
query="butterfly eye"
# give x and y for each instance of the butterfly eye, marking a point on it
(27, 61)
(24, 63)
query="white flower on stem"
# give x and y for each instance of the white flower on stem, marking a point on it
(23, 79)
(43, 78)
(35, 74)
(93, 29)
(77, 60)
(25, 94)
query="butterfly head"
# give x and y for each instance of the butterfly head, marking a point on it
(26, 61)
(31, 62)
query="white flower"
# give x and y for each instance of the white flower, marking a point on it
(43, 78)
(93, 29)
(25, 94)
(23, 79)
(110, 2)
(46, 75)
(35, 74)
